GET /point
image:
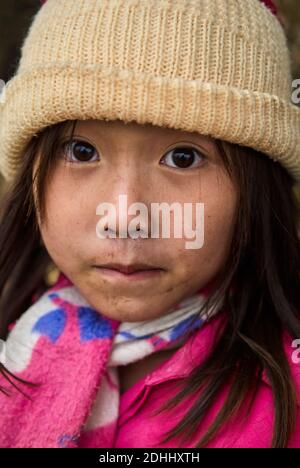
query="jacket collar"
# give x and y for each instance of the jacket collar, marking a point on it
(197, 347)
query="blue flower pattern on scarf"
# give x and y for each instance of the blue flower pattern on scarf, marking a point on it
(92, 325)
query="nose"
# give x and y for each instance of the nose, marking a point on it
(130, 195)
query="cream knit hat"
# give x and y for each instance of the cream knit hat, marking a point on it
(217, 67)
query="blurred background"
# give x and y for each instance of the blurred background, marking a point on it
(16, 16)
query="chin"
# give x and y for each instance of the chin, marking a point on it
(126, 314)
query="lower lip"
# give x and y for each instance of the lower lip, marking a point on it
(138, 275)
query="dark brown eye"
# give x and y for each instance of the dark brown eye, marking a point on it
(79, 151)
(184, 158)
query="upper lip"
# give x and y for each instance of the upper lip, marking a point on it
(127, 269)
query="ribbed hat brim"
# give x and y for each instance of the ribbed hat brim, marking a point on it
(98, 93)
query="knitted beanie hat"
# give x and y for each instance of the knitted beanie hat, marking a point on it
(217, 67)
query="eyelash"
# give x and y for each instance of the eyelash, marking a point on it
(67, 146)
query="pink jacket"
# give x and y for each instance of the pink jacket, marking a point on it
(62, 348)
(136, 427)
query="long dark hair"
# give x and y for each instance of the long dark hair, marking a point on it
(263, 264)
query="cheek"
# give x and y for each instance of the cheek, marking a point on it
(65, 219)
(219, 215)
(220, 210)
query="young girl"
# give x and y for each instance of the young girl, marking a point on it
(140, 341)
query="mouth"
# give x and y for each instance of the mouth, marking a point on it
(132, 271)
(129, 269)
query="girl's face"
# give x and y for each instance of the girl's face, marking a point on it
(149, 164)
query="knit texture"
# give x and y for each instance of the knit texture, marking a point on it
(73, 352)
(221, 68)
(269, 3)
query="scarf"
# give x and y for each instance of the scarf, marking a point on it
(71, 352)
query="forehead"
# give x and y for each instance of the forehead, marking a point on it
(134, 131)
